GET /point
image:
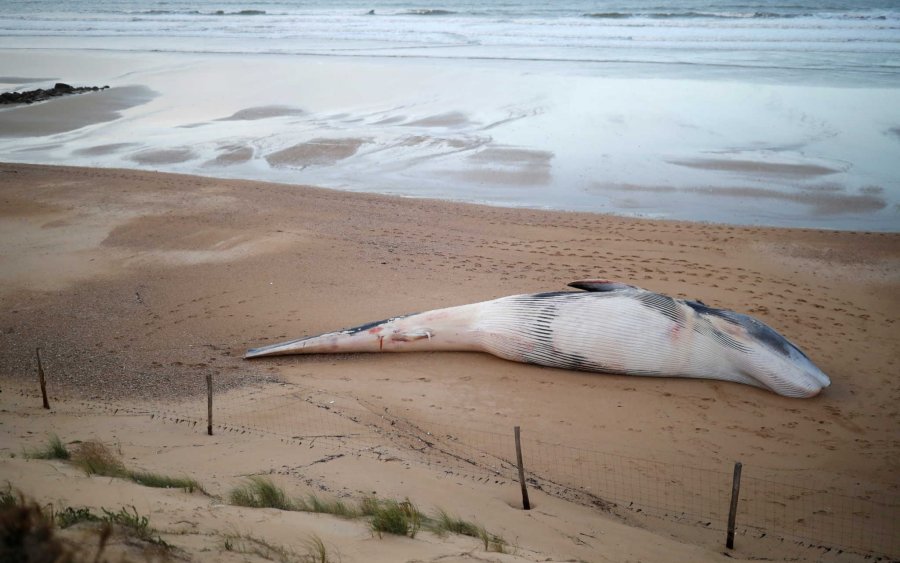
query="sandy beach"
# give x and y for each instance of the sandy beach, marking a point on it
(137, 284)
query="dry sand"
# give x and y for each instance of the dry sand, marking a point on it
(136, 284)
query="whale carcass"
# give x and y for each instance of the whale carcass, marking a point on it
(610, 328)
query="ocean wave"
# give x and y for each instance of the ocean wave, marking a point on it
(165, 12)
(609, 15)
(728, 15)
(197, 13)
(691, 15)
(429, 12)
(638, 32)
(239, 13)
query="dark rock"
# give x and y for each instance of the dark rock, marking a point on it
(39, 95)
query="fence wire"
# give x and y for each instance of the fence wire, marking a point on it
(629, 487)
(820, 517)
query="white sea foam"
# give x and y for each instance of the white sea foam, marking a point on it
(829, 39)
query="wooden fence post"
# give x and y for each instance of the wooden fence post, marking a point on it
(41, 378)
(732, 512)
(525, 504)
(209, 394)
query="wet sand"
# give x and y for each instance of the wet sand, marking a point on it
(72, 112)
(137, 284)
(529, 134)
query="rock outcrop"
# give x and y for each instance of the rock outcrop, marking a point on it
(39, 95)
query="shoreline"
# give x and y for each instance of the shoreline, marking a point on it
(767, 75)
(441, 200)
(739, 152)
(750, 192)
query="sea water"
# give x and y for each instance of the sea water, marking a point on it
(824, 40)
(762, 112)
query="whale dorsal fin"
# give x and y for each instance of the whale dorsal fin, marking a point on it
(600, 285)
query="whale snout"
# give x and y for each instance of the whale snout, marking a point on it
(817, 374)
(813, 378)
(778, 364)
(790, 375)
(810, 384)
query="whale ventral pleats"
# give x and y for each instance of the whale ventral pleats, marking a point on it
(664, 305)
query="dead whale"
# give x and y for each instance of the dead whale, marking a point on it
(610, 328)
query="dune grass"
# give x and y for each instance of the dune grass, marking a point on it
(69, 516)
(164, 481)
(96, 459)
(443, 523)
(245, 544)
(54, 449)
(401, 518)
(338, 508)
(386, 516)
(492, 542)
(260, 492)
(29, 533)
(135, 525)
(7, 498)
(316, 552)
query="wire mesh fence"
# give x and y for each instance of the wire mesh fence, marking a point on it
(698, 497)
(820, 516)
